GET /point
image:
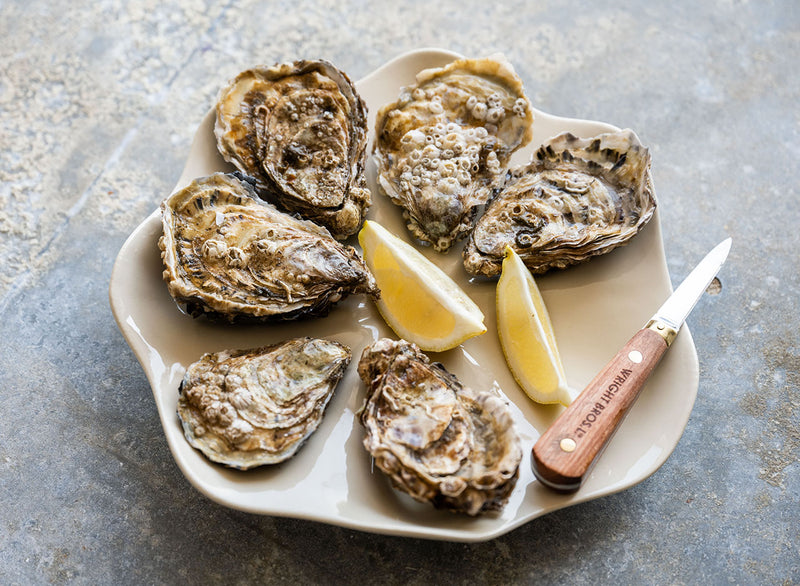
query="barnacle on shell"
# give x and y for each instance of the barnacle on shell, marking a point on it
(444, 145)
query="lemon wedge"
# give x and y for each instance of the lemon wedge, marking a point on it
(526, 335)
(418, 301)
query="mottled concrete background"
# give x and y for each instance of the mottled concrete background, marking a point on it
(99, 101)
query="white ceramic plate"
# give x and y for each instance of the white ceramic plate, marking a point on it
(595, 308)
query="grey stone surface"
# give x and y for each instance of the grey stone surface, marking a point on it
(99, 101)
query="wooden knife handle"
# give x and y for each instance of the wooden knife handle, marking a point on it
(564, 455)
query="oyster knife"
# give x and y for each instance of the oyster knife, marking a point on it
(565, 454)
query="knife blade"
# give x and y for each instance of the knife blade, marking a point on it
(564, 455)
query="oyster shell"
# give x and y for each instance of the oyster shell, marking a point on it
(228, 254)
(436, 440)
(577, 198)
(246, 408)
(301, 130)
(443, 146)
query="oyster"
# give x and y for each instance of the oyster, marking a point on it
(301, 130)
(438, 441)
(228, 254)
(246, 408)
(443, 146)
(577, 198)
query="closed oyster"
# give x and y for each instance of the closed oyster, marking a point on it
(246, 408)
(227, 254)
(438, 441)
(443, 146)
(301, 130)
(577, 198)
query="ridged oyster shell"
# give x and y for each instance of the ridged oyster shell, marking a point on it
(436, 440)
(301, 130)
(444, 145)
(228, 254)
(247, 408)
(577, 198)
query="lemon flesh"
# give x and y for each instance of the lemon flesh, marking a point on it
(418, 300)
(526, 335)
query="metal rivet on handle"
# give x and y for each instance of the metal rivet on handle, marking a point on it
(635, 356)
(568, 444)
